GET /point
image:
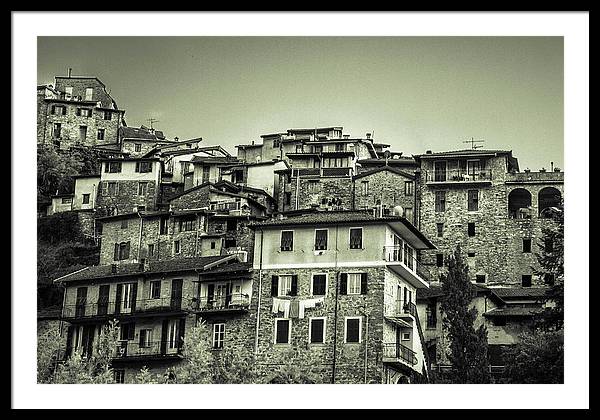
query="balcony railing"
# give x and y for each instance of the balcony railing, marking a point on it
(322, 172)
(231, 302)
(406, 308)
(148, 349)
(398, 254)
(141, 306)
(399, 351)
(458, 175)
(226, 206)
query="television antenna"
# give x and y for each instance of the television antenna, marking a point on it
(473, 141)
(152, 121)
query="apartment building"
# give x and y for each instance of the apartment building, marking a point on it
(77, 111)
(154, 302)
(340, 287)
(480, 200)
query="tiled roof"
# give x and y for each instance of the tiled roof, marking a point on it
(431, 292)
(464, 152)
(228, 268)
(521, 292)
(325, 217)
(136, 133)
(162, 266)
(514, 311)
(384, 168)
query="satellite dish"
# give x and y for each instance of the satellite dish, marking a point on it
(398, 211)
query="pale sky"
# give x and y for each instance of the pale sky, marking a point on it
(415, 93)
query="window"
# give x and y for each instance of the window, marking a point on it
(113, 167)
(440, 230)
(365, 187)
(66, 200)
(141, 208)
(440, 201)
(176, 247)
(354, 283)
(526, 280)
(85, 199)
(352, 330)
(405, 336)
(471, 254)
(549, 279)
(107, 115)
(100, 135)
(213, 245)
(164, 225)
(155, 289)
(137, 147)
(431, 311)
(127, 331)
(276, 143)
(218, 336)
(409, 187)
(82, 133)
(480, 278)
(526, 245)
(121, 251)
(186, 225)
(473, 200)
(58, 110)
(119, 376)
(124, 223)
(282, 331)
(408, 213)
(143, 167)
(142, 188)
(112, 188)
(319, 284)
(548, 245)
(83, 112)
(321, 239)
(89, 93)
(56, 130)
(313, 187)
(69, 90)
(287, 240)
(471, 229)
(316, 330)
(145, 338)
(356, 238)
(439, 259)
(150, 250)
(287, 285)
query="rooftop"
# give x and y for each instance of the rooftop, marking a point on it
(464, 152)
(514, 311)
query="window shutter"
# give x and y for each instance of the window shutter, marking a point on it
(137, 166)
(294, 288)
(118, 298)
(163, 336)
(116, 188)
(363, 283)
(133, 296)
(131, 331)
(274, 285)
(127, 247)
(116, 256)
(181, 332)
(53, 109)
(343, 283)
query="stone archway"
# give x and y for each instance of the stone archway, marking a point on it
(519, 204)
(548, 197)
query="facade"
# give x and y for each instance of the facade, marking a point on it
(480, 200)
(328, 288)
(77, 111)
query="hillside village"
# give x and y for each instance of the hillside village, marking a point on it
(309, 238)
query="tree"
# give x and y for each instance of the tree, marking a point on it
(468, 346)
(298, 369)
(50, 347)
(538, 358)
(94, 368)
(195, 368)
(231, 367)
(551, 259)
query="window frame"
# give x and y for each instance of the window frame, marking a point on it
(409, 188)
(439, 230)
(310, 321)
(100, 134)
(361, 237)
(276, 329)
(281, 241)
(326, 239)
(85, 198)
(218, 337)
(177, 247)
(472, 203)
(442, 202)
(312, 279)
(346, 318)
(153, 288)
(280, 287)
(469, 234)
(359, 274)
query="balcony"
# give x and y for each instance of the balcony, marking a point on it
(226, 206)
(84, 310)
(154, 350)
(396, 352)
(406, 309)
(398, 256)
(232, 303)
(458, 176)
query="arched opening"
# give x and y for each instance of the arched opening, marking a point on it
(548, 197)
(519, 204)
(403, 380)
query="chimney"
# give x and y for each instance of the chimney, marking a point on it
(428, 152)
(551, 166)
(113, 268)
(346, 136)
(368, 136)
(176, 138)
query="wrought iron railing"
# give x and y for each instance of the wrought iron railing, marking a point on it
(323, 172)
(149, 349)
(406, 308)
(233, 301)
(399, 351)
(399, 254)
(104, 308)
(458, 175)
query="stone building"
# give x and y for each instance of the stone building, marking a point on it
(154, 303)
(480, 200)
(77, 111)
(340, 288)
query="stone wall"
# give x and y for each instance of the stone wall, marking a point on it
(324, 192)
(127, 197)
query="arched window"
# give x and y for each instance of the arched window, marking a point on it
(548, 197)
(519, 204)
(403, 380)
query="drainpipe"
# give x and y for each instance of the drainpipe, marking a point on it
(366, 340)
(140, 236)
(259, 293)
(297, 186)
(60, 329)
(337, 288)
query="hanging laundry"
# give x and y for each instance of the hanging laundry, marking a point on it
(294, 309)
(281, 305)
(309, 303)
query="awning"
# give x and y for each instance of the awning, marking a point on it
(398, 321)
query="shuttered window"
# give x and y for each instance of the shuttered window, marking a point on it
(356, 238)
(317, 330)
(321, 239)
(319, 282)
(352, 333)
(473, 200)
(286, 285)
(440, 201)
